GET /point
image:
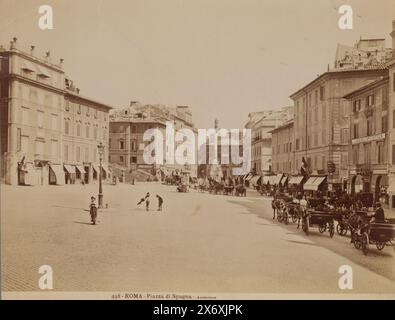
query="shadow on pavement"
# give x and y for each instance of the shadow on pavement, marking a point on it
(83, 222)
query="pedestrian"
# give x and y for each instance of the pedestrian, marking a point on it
(93, 210)
(143, 199)
(147, 202)
(160, 202)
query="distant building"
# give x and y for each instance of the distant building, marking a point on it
(282, 149)
(261, 123)
(39, 121)
(127, 128)
(364, 54)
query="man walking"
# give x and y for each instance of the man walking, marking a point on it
(147, 201)
(160, 202)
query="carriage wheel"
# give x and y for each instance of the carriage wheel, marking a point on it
(357, 244)
(322, 228)
(294, 218)
(380, 245)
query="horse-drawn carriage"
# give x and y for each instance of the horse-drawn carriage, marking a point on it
(182, 188)
(216, 187)
(324, 220)
(365, 232)
(228, 189)
(240, 190)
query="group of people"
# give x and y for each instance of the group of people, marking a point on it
(146, 199)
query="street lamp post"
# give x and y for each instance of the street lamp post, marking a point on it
(100, 148)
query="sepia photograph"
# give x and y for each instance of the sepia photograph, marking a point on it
(197, 150)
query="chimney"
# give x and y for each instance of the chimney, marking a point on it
(393, 39)
(32, 49)
(61, 62)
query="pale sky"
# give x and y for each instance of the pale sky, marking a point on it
(223, 58)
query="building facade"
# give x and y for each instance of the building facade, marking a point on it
(368, 150)
(321, 121)
(261, 123)
(391, 98)
(33, 101)
(282, 148)
(127, 127)
(85, 125)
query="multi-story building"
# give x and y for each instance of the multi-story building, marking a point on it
(85, 125)
(368, 150)
(321, 121)
(282, 152)
(127, 128)
(391, 111)
(261, 123)
(35, 125)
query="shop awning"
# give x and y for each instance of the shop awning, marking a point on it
(96, 168)
(272, 180)
(278, 179)
(295, 180)
(80, 169)
(255, 180)
(105, 168)
(284, 180)
(249, 177)
(70, 169)
(265, 179)
(313, 183)
(59, 173)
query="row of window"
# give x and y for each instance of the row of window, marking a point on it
(68, 131)
(82, 154)
(369, 128)
(365, 154)
(312, 99)
(23, 144)
(81, 109)
(282, 148)
(141, 128)
(121, 145)
(133, 160)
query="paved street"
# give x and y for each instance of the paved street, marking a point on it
(199, 243)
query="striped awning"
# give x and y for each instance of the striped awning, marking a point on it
(255, 180)
(81, 169)
(272, 180)
(69, 168)
(265, 179)
(313, 183)
(284, 180)
(59, 173)
(295, 180)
